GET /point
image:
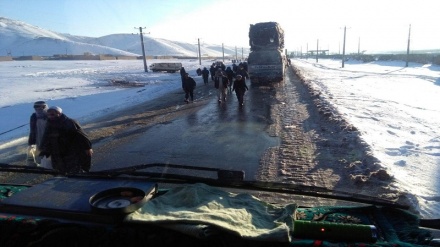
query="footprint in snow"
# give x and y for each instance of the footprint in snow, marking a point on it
(391, 133)
(400, 163)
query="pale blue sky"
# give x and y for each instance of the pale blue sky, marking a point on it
(372, 24)
(96, 17)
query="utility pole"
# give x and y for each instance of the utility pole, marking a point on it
(223, 52)
(143, 50)
(317, 48)
(242, 54)
(407, 49)
(200, 54)
(236, 57)
(343, 48)
(307, 54)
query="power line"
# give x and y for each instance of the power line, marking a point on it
(13, 129)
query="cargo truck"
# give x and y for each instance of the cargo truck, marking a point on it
(266, 62)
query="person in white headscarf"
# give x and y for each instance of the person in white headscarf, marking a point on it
(66, 143)
(37, 125)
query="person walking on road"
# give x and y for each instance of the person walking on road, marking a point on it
(221, 83)
(240, 88)
(189, 84)
(212, 71)
(66, 143)
(37, 126)
(230, 74)
(242, 71)
(182, 74)
(205, 75)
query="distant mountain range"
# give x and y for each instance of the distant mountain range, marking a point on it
(18, 38)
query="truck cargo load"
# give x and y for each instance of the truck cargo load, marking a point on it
(266, 35)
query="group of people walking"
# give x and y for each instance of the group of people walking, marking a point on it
(224, 78)
(233, 78)
(58, 140)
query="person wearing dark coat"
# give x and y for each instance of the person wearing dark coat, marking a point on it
(234, 67)
(242, 71)
(189, 84)
(66, 143)
(205, 75)
(230, 75)
(212, 70)
(240, 88)
(182, 74)
(245, 66)
(223, 66)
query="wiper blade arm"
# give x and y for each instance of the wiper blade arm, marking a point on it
(235, 179)
(225, 178)
(26, 169)
(315, 191)
(130, 169)
(222, 175)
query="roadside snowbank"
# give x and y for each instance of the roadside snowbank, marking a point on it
(395, 108)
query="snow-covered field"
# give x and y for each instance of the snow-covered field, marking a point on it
(82, 88)
(395, 108)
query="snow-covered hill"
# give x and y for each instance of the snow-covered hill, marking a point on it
(22, 39)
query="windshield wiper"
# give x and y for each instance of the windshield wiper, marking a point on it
(235, 179)
(225, 178)
(222, 175)
(26, 169)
